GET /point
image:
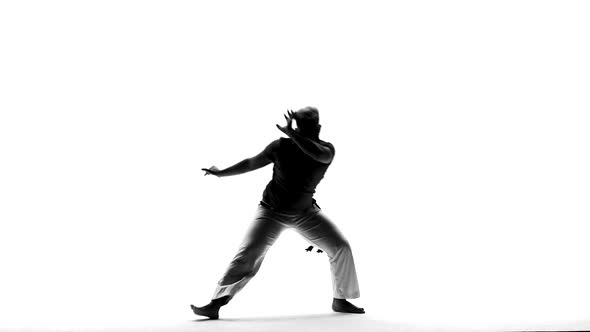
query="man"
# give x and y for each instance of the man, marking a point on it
(300, 162)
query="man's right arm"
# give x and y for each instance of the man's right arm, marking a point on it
(250, 164)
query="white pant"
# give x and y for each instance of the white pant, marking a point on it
(263, 232)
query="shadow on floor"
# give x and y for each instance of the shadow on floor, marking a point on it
(325, 322)
(275, 318)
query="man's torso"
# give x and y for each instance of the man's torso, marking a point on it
(295, 177)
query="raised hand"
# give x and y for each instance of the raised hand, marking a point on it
(288, 129)
(211, 170)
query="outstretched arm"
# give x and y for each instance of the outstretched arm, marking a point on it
(315, 150)
(247, 165)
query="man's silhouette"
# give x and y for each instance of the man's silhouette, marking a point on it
(300, 162)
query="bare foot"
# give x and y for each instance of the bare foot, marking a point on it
(211, 311)
(341, 305)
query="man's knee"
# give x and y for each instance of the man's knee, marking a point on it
(338, 248)
(344, 246)
(247, 260)
(239, 268)
(252, 252)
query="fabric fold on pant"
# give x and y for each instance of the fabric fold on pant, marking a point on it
(314, 226)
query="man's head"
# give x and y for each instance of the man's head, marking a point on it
(308, 122)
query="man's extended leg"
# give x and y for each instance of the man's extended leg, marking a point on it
(263, 232)
(319, 230)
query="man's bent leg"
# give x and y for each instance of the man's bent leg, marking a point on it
(319, 230)
(263, 232)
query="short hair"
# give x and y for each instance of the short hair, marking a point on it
(308, 120)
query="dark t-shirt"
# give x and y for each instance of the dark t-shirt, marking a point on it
(295, 176)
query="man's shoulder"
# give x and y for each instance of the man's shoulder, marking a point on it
(272, 148)
(285, 141)
(328, 144)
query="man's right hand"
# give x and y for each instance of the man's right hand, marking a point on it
(212, 170)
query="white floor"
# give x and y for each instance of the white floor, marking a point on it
(239, 319)
(325, 322)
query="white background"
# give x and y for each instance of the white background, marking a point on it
(460, 179)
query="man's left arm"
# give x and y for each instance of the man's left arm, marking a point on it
(315, 150)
